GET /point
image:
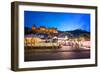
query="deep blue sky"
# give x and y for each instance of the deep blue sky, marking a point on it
(61, 21)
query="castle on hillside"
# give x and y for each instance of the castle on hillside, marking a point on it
(43, 29)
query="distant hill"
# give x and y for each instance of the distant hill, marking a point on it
(74, 33)
(78, 31)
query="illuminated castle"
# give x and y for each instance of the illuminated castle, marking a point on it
(43, 29)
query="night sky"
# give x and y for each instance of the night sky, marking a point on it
(60, 20)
